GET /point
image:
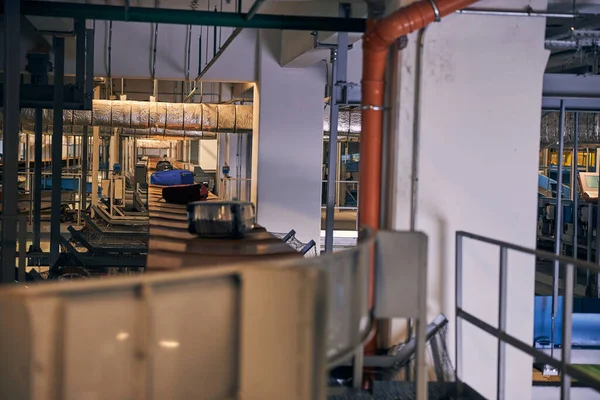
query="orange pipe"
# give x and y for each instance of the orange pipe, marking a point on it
(378, 37)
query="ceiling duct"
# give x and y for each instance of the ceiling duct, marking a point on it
(349, 122)
(589, 129)
(164, 117)
(149, 133)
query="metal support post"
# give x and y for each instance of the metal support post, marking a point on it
(502, 311)
(567, 331)
(89, 68)
(558, 224)
(80, 63)
(575, 183)
(11, 114)
(458, 284)
(37, 180)
(57, 136)
(339, 70)
(27, 167)
(590, 232)
(84, 170)
(95, 160)
(597, 228)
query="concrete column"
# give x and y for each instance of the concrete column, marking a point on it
(288, 143)
(474, 128)
(208, 155)
(115, 144)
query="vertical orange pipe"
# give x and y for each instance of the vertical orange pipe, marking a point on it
(378, 37)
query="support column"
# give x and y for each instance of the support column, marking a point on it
(85, 140)
(95, 157)
(114, 155)
(37, 181)
(459, 117)
(38, 66)
(11, 115)
(57, 145)
(287, 143)
(194, 151)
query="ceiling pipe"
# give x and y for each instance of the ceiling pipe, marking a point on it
(379, 36)
(529, 12)
(572, 44)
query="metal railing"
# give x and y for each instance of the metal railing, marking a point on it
(563, 364)
(20, 248)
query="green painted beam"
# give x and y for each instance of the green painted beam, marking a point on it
(190, 17)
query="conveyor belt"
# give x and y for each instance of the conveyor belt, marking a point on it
(172, 247)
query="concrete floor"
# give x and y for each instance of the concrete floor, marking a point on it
(344, 220)
(553, 393)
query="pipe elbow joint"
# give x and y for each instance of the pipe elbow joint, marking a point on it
(373, 41)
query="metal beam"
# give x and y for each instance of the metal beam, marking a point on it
(80, 57)
(569, 86)
(191, 17)
(254, 9)
(57, 136)
(89, 68)
(42, 96)
(218, 54)
(578, 92)
(12, 71)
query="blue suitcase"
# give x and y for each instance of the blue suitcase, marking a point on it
(170, 178)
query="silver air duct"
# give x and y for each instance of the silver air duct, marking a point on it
(349, 122)
(165, 117)
(149, 133)
(589, 129)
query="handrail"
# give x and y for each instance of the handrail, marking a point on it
(538, 253)
(564, 364)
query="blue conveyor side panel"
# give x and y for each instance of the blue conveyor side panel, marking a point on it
(586, 321)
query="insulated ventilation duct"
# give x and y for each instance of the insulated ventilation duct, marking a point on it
(149, 133)
(168, 119)
(349, 122)
(589, 129)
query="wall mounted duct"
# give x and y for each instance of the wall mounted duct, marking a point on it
(228, 118)
(589, 129)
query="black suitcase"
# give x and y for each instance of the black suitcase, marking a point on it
(164, 166)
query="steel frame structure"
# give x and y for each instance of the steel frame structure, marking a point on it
(192, 17)
(39, 94)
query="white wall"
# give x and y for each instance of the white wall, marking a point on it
(132, 45)
(288, 146)
(479, 143)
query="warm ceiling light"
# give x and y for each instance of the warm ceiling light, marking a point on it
(168, 344)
